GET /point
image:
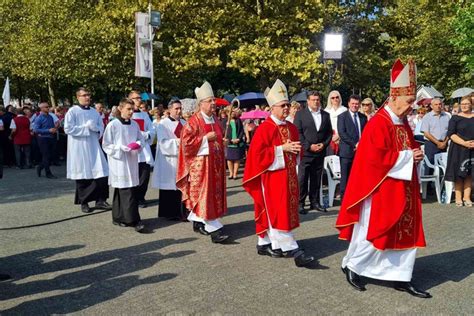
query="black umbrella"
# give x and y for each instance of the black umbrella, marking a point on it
(300, 97)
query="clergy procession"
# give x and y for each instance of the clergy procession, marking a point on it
(207, 198)
(190, 172)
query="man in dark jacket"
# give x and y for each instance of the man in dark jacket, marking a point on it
(314, 127)
(350, 125)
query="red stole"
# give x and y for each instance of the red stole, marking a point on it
(201, 179)
(277, 202)
(395, 219)
(178, 129)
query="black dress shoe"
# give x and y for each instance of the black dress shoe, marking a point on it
(217, 237)
(139, 227)
(38, 171)
(301, 259)
(103, 205)
(302, 210)
(266, 250)
(51, 176)
(85, 208)
(318, 208)
(353, 279)
(199, 228)
(119, 224)
(408, 287)
(4, 277)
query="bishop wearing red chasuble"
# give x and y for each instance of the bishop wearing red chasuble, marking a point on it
(381, 211)
(270, 178)
(200, 173)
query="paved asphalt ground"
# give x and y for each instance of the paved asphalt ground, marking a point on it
(75, 263)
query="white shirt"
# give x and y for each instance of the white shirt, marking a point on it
(316, 117)
(356, 120)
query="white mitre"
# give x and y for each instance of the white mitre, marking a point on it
(204, 92)
(277, 93)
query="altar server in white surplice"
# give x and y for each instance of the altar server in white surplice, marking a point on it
(145, 159)
(164, 175)
(123, 142)
(86, 162)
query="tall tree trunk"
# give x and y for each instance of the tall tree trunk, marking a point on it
(52, 96)
(20, 93)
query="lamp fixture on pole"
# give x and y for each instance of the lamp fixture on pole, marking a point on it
(333, 43)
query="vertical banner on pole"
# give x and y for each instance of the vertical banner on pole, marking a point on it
(6, 93)
(142, 45)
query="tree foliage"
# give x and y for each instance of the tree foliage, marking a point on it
(53, 46)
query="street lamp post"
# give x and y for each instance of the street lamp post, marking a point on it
(153, 25)
(332, 52)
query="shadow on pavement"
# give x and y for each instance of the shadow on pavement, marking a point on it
(323, 246)
(103, 282)
(24, 186)
(431, 271)
(96, 293)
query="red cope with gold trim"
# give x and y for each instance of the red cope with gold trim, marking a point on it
(275, 193)
(201, 179)
(395, 216)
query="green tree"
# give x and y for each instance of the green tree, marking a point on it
(424, 31)
(463, 24)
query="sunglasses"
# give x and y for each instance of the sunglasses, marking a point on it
(366, 104)
(334, 97)
(286, 105)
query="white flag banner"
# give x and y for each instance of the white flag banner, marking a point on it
(142, 45)
(6, 93)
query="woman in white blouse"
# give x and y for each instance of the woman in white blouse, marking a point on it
(334, 108)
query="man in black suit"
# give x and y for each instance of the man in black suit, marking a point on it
(350, 125)
(314, 127)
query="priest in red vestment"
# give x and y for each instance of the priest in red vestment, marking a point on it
(270, 178)
(200, 173)
(381, 211)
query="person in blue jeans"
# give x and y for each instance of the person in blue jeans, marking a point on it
(45, 131)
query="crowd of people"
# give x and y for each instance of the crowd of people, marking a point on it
(185, 154)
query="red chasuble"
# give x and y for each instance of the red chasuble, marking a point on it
(201, 179)
(395, 216)
(278, 200)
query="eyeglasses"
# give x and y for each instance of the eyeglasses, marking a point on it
(366, 104)
(84, 95)
(336, 97)
(286, 105)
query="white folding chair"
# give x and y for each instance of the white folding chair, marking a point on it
(332, 168)
(435, 178)
(441, 161)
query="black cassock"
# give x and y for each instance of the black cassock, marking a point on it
(170, 205)
(88, 190)
(125, 206)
